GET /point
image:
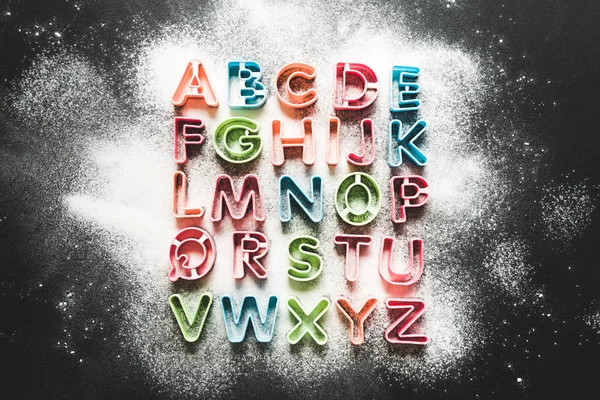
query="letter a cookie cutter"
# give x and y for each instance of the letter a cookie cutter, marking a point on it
(195, 85)
(192, 254)
(287, 94)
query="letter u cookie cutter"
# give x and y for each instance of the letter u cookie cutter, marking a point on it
(286, 94)
(249, 92)
(357, 199)
(368, 80)
(390, 274)
(192, 254)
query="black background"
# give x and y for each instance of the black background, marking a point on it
(561, 43)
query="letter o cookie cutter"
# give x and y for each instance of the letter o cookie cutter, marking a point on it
(358, 199)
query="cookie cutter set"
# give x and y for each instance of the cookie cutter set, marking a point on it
(357, 200)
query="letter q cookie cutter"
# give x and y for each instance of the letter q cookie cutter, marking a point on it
(192, 254)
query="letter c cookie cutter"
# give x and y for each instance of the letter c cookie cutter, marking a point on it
(286, 94)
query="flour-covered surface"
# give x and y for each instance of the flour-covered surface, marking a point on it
(510, 281)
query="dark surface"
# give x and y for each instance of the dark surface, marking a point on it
(561, 43)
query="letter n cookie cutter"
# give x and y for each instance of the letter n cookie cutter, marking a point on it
(347, 74)
(192, 254)
(404, 89)
(245, 87)
(400, 186)
(413, 309)
(189, 129)
(289, 96)
(248, 249)
(357, 199)
(312, 206)
(307, 322)
(190, 324)
(412, 274)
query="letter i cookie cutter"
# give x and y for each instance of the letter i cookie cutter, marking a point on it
(189, 129)
(345, 74)
(192, 254)
(249, 92)
(286, 94)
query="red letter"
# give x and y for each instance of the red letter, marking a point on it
(399, 187)
(353, 244)
(414, 308)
